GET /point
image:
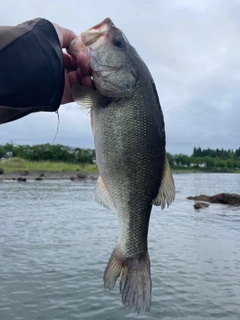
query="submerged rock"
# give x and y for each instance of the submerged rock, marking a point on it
(232, 199)
(82, 175)
(40, 178)
(79, 177)
(202, 197)
(200, 205)
(21, 179)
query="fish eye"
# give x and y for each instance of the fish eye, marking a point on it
(118, 42)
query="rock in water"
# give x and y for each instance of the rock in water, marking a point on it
(200, 205)
(231, 199)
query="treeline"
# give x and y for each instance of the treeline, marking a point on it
(181, 161)
(221, 153)
(201, 159)
(207, 159)
(49, 152)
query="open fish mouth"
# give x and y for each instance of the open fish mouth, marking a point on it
(95, 34)
(91, 38)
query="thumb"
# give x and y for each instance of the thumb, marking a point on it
(65, 36)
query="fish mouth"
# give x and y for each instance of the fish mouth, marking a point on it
(92, 38)
(94, 34)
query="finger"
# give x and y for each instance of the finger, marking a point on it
(69, 62)
(83, 63)
(79, 75)
(65, 35)
(88, 82)
(73, 79)
(68, 36)
(67, 96)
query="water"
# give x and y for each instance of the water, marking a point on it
(55, 242)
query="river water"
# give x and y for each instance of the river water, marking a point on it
(55, 242)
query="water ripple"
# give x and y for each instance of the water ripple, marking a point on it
(55, 242)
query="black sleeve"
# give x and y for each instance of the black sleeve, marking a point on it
(31, 69)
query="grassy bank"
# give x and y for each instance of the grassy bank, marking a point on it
(17, 164)
(204, 170)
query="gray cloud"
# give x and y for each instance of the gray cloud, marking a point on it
(192, 49)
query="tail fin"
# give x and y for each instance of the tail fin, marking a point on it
(135, 283)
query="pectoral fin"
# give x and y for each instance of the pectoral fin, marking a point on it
(87, 98)
(102, 195)
(92, 122)
(166, 192)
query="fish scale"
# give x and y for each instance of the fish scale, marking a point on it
(129, 138)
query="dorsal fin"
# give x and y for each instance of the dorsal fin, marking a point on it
(166, 192)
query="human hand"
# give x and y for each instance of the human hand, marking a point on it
(77, 70)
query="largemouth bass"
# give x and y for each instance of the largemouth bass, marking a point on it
(129, 136)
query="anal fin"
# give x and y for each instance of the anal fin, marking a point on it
(102, 196)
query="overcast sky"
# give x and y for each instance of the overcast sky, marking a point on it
(192, 48)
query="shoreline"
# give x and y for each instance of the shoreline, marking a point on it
(21, 175)
(48, 175)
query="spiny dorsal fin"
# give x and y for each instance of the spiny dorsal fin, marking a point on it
(102, 195)
(166, 192)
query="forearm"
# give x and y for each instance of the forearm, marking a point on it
(31, 69)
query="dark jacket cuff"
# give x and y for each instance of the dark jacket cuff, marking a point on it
(31, 71)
